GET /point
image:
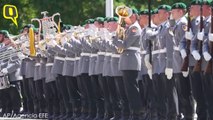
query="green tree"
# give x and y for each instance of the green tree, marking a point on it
(72, 11)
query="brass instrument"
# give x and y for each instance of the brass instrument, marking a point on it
(8, 52)
(123, 12)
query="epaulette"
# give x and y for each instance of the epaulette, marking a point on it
(183, 20)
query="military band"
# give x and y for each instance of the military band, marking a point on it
(141, 65)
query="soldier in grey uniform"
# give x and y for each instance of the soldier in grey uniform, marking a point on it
(154, 26)
(51, 93)
(38, 95)
(144, 78)
(166, 81)
(131, 54)
(97, 82)
(29, 83)
(40, 86)
(116, 86)
(24, 89)
(71, 81)
(10, 97)
(196, 77)
(162, 67)
(88, 78)
(105, 68)
(14, 99)
(36, 79)
(65, 105)
(207, 84)
(74, 45)
(182, 83)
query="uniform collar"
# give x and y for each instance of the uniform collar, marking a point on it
(163, 23)
(182, 19)
(153, 25)
(208, 19)
(135, 24)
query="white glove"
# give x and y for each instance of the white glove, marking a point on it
(207, 56)
(149, 32)
(188, 35)
(52, 43)
(169, 73)
(185, 73)
(210, 37)
(21, 56)
(63, 41)
(150, 73)
(196, 55)
(147, 63)
(183, 53)
(200, 36)
(4, 71)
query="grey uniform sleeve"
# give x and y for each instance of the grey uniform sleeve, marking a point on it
(133, 35)
(69, 47)
(95, 44)
(194, 41)
(109, 45)
(50, 51)
(59, 49)
(205, 47)
(98, 44)
(13, 65)
(169, 48)
(86, 44)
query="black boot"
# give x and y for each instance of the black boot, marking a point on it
(99, 116)
(117, 116)
(108, 116)
(84, 114)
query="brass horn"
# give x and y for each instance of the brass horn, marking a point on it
(123, 12)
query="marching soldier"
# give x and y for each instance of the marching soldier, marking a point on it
(40, 86)
(145, 75)
(28, 82)
(196, 77)
(206, 12)
(162, 66)
(65, 105)
(98, 83)
(27, 101)
(68, 68)
(110, 57)
(51, 93)
(75, 47)
(10, 97)
(166, 82)
(178, 28)
(117, 74)
(38, 97)
(153, 107)
(207, 54)
(88, 77)
(131, 54)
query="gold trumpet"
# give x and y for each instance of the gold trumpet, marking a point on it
(123, 12)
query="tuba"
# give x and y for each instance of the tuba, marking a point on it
(123, 12)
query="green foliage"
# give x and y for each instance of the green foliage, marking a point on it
(72, 11)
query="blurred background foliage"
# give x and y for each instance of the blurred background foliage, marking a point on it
(72, 11)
